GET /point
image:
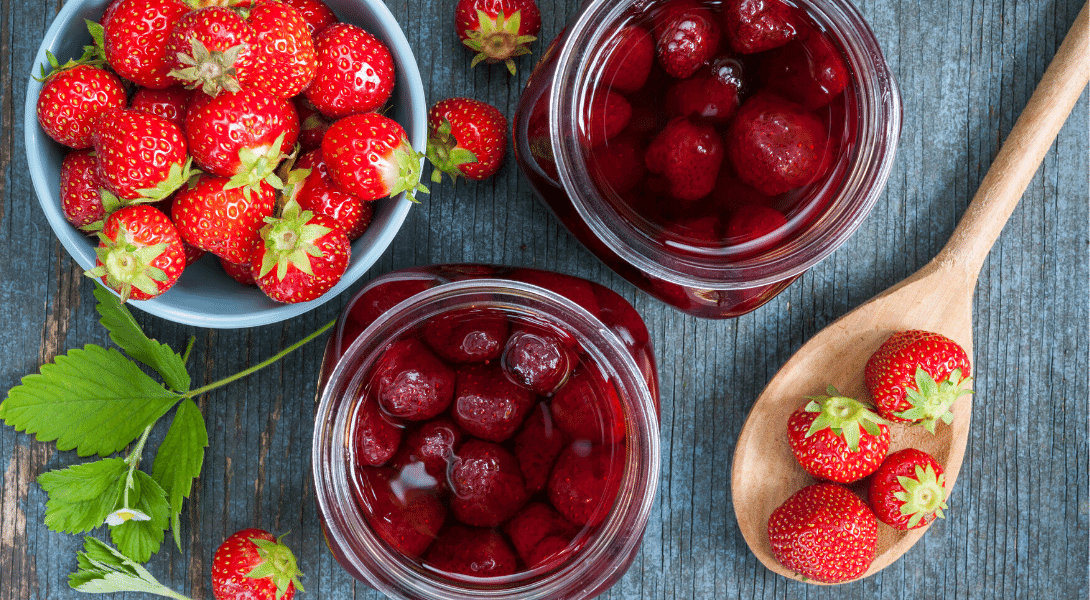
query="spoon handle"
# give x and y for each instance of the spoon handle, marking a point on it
(1021, 154)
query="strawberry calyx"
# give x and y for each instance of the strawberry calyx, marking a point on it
(291, 241)
(931, 400)
(845, 417)
(126, 265)
(497, 39)
(407, 179)
(923, 495)
(445, 155)
(211, 70)
(277, 564)
(259, 165)
(176, 177)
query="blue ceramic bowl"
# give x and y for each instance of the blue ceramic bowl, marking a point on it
(205, 296)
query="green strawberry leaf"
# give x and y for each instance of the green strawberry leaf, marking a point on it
(139, 539)
(82, 495)
(179, 458)
(126, 333)
(103, 570)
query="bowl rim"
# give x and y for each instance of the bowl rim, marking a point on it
(75, 242)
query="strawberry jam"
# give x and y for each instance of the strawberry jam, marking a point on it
(495, 424)
(710, 151)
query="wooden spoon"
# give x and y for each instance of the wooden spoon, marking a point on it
(937, 298)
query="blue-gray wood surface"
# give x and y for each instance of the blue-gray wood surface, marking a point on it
(1017, 524)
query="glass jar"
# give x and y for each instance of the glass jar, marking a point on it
(605, 330)
(725, 277)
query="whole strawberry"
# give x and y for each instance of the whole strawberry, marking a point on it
(301, 255)
(283, 48)
(467, 138)
(497, 30)
(686, 36)
(79, 189)
(140, 155)
(908, 490)
(221, 219)
(487, 404)
(757, 25)
(135, 34)
(838, 438)
(170, 103)
(472, 551)
(317, 193)
(251, 564)
(73, 97)
(824, 532)
(212, 49)
(915, 377)
(631, 53)
(139, 255)
(355, 72)
(316, 13)
(370, 156)
(688, 155)
(487, 483)
(776, 145)
(585, 481)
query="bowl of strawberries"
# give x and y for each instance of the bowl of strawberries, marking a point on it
(225, 166)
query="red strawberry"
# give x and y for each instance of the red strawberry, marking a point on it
(630, 54)
(808, 70)
(170, 103)
(757, 25)
(686, 37)
(908, 490)
(434, 444)
(377, 437)
(535, 523)
(585, 481)
(284, 49)
(824, 532)
(754, 221)
(355, 72)
(213, 49)
(135, 34)
(467, 138)
(223, 220)
(537, 359)
(139, 255)
(838, 438)
(497, 30)
(403, 512)
(487, 404)
(553, 549)
(776, 145)
(318, 194)
(412, 383)
(370, 156)
(537, 445)
(915, 376)
(316, 13)
(688, 155)
(301, 255)
(73, 97)
(472, 551)
(607, 115)
(487, 484)
(618, 165)
(140, 155)
(312, 124)
(715, 93)
(243, 273)
(79, 189)
(470, 335)
(588, 408)
(253, 565)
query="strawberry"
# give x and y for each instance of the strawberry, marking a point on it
(243, 273)
(553, 550)
(170, 103)
(403, 512)
(497, 30)
(618, 165)
(688, 155)
(487, 484)
(537, 359)
(757, 25)
(472, 551)
(318, 194)
(467, 138)
(213, 48)
(433, 443)
(838, 438)
(533, 524)
(412, 383)
(808, 70)
(686, 36)
(585, 481)
(135, 39)
(630, 53)
(73, 97)
(223, 220)
(316, 13)
(487, 404)
(824, 532)
(537, 445)
(776, 145)
(714, 93)
(370, 156)
(284, 48)
(301, 255)
(312, 124)
(377, 436)
(908, 490)
(139, 254)
(355, 72)
(140, 155)
(607, 115)
(79, 190)
(915, 377)
(588, 408)
(253, 565)
(469, 335)
(753, 221)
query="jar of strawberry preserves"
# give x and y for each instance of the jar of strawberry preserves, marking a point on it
(710, 151)
(486, 432)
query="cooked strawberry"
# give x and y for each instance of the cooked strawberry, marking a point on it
(618, 165)
(283, 48)
(223, 220)
(552, 550)
(412, 383)
(405, 513)
(537, 359)
(838, 438)
(686, 36)
(312, 124)
(253, 565)
(377, 437)
(731, 193)
(537, 445)
(140, 155)
(434, 444)
(73, 97)
(242, 273)
(487, 484)
(776, 145)
(301, 255)
(824, 532)
(212, 49)
(908, 490)
(79, 190)
(754, 221)
(370, 156)
(915, 377)
(472, 551)
(688, 155)
(318, 194)
(355, 72)
(487, 404)
(139, 254)
(757, 25)
(316, 13)
(534, 523)
(170, 103)
(467, 138)
(588, 408)
(497, 30)
(469, 335)
(607, 115)
(135, 34)
(808, 70)
(630, 54)
(585, 481)
(714, 93)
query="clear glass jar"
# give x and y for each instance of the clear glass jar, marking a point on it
(607, 331)
(721, 280)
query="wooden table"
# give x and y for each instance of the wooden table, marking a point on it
(1018, 522)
